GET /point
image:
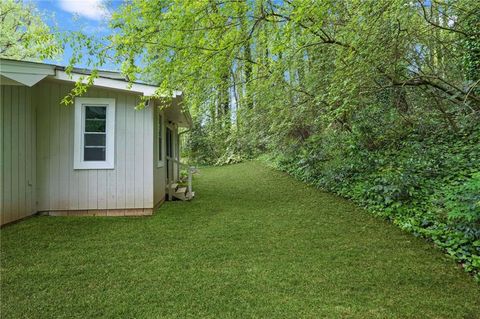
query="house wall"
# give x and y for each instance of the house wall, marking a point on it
(176, 150)
(159, 173)
(176, 167)
(176, 141)
(17, 158)
(59, 187)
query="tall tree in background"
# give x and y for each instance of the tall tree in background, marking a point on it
(288, 69)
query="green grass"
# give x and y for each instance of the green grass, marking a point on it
(253, 243)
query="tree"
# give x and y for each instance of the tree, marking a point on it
(24, 35)
(294, 65)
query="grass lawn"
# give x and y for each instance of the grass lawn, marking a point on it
(253, 243)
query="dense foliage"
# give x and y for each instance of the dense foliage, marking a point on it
(23, 33)
(378, 101)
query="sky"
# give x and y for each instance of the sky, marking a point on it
(89, 16)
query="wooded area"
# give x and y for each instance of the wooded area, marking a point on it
(377, 101)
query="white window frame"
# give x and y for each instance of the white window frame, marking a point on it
(160, 133)
(79, 162)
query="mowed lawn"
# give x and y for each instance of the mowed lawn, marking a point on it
(254, 243)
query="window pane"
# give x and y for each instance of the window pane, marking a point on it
(95, 112)
(95, 125)
(94, 154)
(95, 139)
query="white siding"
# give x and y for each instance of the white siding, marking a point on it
(130, 155)
(60, 187)
(159, 173)
(176, 153)
(148, 157)
(17, 145)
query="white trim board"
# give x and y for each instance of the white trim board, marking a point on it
(12, 66)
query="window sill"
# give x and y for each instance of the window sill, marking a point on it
(94, 165)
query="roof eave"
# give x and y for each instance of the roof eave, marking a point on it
(145, 89)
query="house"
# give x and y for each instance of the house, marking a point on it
(99, 156)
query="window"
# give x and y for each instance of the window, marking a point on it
(94, 133)
(160, 140)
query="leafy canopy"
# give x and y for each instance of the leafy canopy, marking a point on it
(24, 35)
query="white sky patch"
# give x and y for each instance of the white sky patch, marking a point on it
(90, 9)
(451, 21)
(94, 30)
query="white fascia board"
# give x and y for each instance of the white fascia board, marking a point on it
(146, 90)
(25, 67)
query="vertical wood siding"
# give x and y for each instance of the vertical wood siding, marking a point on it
(176, 152)
(159, 173)
(17, 145)
(60, 187)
